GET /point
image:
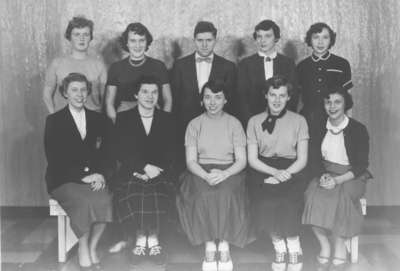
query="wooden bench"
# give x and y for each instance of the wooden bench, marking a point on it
(66, 237)
(352, 243)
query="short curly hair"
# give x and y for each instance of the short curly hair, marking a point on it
(78, 22)
(204, 26)
(138, 29)
(348, 99)
(267, 25)
(278, 81)
(317, 28)
(74, 77)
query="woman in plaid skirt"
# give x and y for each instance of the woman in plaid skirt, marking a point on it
(145, 149)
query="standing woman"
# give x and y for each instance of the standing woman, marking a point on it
(320, 72)
(79, 32)
(332, 200)
(123, 74)
(143, 189)
(277, 142)
(212, 203)
(77, 167)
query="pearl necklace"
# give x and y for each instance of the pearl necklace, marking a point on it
(137, 64)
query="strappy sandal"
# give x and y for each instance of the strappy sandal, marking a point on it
(157, 255)
(225, 261)
(323, 263)
(338, 266)
(138, 255)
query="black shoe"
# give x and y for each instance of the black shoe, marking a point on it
(85, 268)
(157, 255)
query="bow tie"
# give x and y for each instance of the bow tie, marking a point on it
(203, 59)
(267, 59)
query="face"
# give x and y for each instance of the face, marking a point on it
(266, 41)
(213, 102)
(335, 106)
(147, 96)
(76, 94)
(277, 99)
(320, 42)
(137, 45)
(205, 43)
(80, 39)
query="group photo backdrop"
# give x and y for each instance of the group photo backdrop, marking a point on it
(32, 35)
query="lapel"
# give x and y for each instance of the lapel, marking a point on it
(139, 124)
(193, 74)
(277, 65)
(71, 125)
(259, 71)
(214, 67)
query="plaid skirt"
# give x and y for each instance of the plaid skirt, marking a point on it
(143, 205)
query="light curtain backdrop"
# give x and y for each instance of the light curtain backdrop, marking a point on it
(32, 35)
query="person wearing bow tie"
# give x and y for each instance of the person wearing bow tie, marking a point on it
(191, 72)
(277, 144)
(254, 70)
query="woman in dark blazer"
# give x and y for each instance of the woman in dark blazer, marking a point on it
(145, 149)
(332, 200)
(77, 166)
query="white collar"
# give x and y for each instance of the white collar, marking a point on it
(75, 112)
(272, 55)
(340, 127)
(196, 55)
(323, 57)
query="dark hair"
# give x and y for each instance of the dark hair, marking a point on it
(267, 25)
(317, 28)
(215, 86)
(147, 79)
(348, 99)
(78, 22)
(204, 26)
(138, 29)
(278, 81)
(74, 77)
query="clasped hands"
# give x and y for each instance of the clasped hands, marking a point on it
(96, 181)
(215, 176)
(327, 181)
(150, 172)
(279, 177)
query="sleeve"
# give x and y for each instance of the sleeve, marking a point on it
(163, 74)
(294, 99)
(361, 161)
(230, 85)
(170, 156)
(242, 85)
(176, 89)
(103, 73)
(51, 76)
(251, 132)
(346, 80)
(106, 163)
(112, 76)
(192, 132)
(303, 130)
(239, 137)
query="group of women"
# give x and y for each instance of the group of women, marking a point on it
(122, 167)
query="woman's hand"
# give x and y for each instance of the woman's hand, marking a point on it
(327, 181)
(271, 180)
(96, 181)
(216, 176)
(152, 171)
(282, 175)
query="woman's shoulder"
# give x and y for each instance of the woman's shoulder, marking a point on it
(338, 59)
(357, 126)
(119, 63)
(231, 119)
(155, 62)
(295, 116)
(304, 62)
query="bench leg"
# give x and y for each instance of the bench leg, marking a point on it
(354, 249)
(62, 253)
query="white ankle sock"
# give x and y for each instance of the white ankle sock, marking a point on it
(152, 240)
(141, 240)
(293, 245)
(223, 246)
(210, 246)
(279, 245)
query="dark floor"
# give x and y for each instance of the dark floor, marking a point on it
(28, 242)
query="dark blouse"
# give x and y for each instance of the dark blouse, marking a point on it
(124, 76)
(356, 141)
(317, 75)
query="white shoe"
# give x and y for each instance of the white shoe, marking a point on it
(117, 247)
(210, 261)
(225, 261)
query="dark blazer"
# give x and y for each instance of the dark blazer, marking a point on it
(356, 141)
(251, 82)
(69, 158)
(134, 148)
(185, 88)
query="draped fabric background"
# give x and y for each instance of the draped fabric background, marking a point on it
(32, 35)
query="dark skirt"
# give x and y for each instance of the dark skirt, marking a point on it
(83, 206)
(277, 208)
(338, 209)
(140, 205)
(214, 212)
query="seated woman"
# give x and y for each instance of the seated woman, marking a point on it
(145, 148)
(212, 201)
(77, 166)
(277, 142)
(332, 200)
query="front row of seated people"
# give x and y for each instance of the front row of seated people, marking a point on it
(218, 202)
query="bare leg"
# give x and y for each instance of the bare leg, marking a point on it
(340, 251)
(323, 239)
(97, 231)
(83, 251)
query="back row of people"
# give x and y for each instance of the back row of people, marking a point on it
(212, 199)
